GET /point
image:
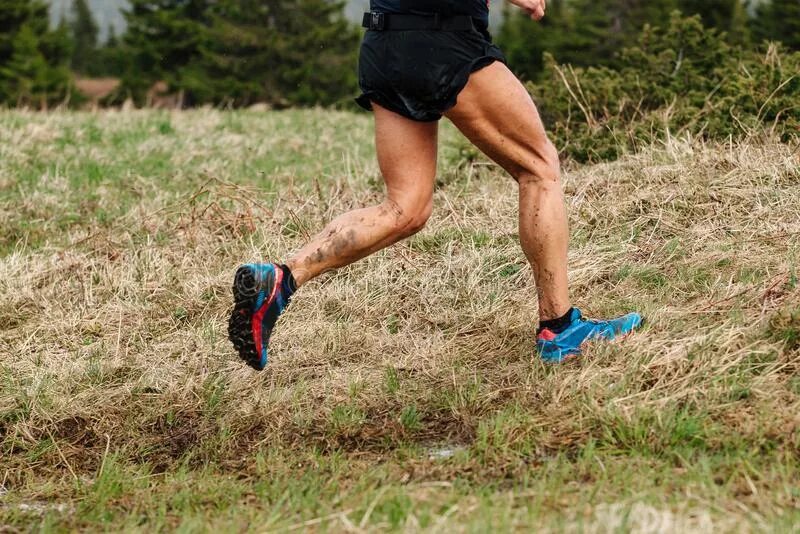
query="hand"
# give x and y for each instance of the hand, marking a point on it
(535, 8)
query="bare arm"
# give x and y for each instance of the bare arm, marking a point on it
(535, 8)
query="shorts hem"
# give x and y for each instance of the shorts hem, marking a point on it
(461, 79)
(368, 97)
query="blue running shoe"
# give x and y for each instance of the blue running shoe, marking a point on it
(555, 348)
(261, 293)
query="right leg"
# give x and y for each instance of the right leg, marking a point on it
(497, 114)
(407, 158)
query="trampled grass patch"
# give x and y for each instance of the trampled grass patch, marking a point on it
(403, 393)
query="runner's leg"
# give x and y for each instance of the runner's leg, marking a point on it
(498, 115)
(407, 158)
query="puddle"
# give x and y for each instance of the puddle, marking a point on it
(445, 452)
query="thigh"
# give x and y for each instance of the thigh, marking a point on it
(407, 152)
(496, 113)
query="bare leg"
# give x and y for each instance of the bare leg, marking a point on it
(498, 115)
(407, 158)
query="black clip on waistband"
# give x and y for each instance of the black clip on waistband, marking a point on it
(377, 21)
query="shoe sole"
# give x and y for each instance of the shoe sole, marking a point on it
(246, 289)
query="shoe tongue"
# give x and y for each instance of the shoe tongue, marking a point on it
(576, 315)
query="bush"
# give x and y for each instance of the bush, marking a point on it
(680, 79)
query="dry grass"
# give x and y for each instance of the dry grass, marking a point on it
(403, 391)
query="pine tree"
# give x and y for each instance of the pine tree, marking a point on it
(33, 59)
(729, 16)
(603, 28)
(26, 71)
(13, 15)
(284, 52)
(163, 41)
(594, 32)
(524, 42)
(112, 57)
(84, 35)
(579, 32)
(778, 20)
(241, 51)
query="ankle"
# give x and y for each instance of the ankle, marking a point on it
(298, 275)
(557, 324)
(289, 283)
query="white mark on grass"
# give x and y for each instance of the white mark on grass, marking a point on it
(443, 453)
(39, 508)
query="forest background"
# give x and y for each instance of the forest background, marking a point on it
(609, 75)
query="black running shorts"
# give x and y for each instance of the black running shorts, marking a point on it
(419, 73)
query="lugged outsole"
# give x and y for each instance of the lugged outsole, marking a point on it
(246, 288)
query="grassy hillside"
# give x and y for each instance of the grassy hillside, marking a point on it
(403, 393)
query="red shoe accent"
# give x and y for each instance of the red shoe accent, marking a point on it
(547, 335)
(259, 315)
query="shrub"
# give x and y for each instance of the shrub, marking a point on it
(681, 79)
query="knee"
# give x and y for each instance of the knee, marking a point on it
(409, 218)
(543, 168)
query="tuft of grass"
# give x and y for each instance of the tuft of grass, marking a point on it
(392, 381)
(410, 419)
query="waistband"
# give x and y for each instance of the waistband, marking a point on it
(377, 21)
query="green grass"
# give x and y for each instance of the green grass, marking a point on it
(403, 392)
